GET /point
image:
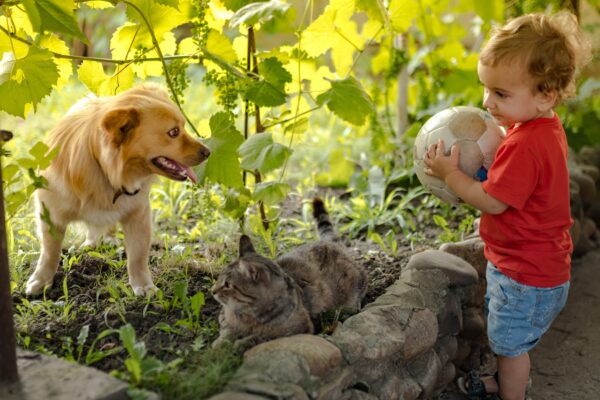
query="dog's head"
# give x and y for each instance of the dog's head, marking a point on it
(148, 131)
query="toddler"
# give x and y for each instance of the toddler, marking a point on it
(527, 67)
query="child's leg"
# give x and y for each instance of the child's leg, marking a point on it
(513, 373)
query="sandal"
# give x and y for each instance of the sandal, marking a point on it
(474, 388)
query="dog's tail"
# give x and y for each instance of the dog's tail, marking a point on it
(324, 224)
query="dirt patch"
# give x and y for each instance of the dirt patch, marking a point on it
(566, 363)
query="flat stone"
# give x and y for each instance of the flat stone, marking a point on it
(50, 378)
(450, 320)
(337, 387)
(280, 367)
(446, 348)
(320, 355)
(385, 332)
(398, 384)
(237, 396)
(470, 250)
(400, 293)
(458, 271)
(433, 285)
(427, 370)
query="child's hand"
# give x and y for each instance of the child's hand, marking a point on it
(438, 164)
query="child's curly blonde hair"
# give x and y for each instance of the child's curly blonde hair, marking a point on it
(552, 49)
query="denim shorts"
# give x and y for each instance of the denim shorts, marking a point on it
(517, 314)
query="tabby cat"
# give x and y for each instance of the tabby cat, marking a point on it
(264, 299)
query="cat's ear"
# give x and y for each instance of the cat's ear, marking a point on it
(246, 245)
(251, 270)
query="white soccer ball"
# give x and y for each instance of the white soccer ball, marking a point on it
(473, 130)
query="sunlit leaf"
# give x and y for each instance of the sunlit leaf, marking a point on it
(348, 100)
(223, 165)
(136, 35)
(237, 201)
(256, 13)
(54, 16)
(99, 4)
(220, 45)
(403, 13)
(91, 74)
(271, 192)
(260, 153)
(235, 5)
(269, 91)
(31, 80)
(65, 66)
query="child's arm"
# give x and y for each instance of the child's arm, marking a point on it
(468, 189)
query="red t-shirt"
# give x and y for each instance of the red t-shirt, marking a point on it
(530, 240)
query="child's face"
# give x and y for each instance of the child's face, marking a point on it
(508, 94)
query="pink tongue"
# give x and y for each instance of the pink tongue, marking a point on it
(190, 173)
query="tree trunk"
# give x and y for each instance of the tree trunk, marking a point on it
(8, 353)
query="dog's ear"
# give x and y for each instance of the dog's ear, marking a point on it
(120, 123)
(246, 245)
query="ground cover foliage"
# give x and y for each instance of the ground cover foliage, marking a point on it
(295, 99)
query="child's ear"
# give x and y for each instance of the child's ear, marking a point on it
(546, 100)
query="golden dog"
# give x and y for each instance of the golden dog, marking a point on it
(110, 149)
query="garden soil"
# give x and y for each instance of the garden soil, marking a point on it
(566, 363)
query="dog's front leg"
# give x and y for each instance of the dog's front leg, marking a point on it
(138, 232)
(51, 242)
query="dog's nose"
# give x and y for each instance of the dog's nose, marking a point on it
(204, 152)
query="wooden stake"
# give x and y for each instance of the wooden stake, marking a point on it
(8, 352)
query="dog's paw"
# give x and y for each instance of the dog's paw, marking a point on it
(144, 290)
(36, 285)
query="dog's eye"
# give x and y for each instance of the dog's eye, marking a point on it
(173, 132)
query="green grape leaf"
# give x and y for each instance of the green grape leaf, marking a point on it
(271, 192)
(270, 91)
(34, 14)
(375, 9)
(31, 80)
(258, 13)
(161, 18)
(260, 153)
(223, 165)
(54, 16)
(271, 69)
(235, 5)
(403, 13)
(9, 172)
(237, 201)
(220, 46)
(91, 74)
(348, 100)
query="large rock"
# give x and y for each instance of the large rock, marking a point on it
(400, 293)
(458, 271)
(320, 355)
(386, 332)
(426, 370)
(51, 378)
(470, 250)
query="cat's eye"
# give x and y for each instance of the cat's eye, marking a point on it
(173, 132)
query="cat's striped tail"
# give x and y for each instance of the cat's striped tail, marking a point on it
(324, 225)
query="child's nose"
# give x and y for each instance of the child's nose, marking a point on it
(487, 101)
